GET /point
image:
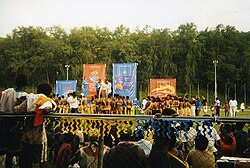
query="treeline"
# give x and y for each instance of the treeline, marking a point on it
(186, 54)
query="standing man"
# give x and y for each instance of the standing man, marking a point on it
(109, 88)
(217, 106)
(85, 87)
(197, 106)
(98, 87)
(10, 127)
(233, 107)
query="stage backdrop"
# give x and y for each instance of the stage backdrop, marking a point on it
(162, 87)
(93, 72)
(64, 86)
(124, 79)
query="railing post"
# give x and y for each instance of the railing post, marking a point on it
(100, 146)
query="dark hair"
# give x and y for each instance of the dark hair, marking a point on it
(44, 88)
(21, 80)
(240, 126)
(228, 127)
(74, 94)
(201, 142)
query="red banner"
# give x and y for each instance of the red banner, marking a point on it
(93, 72)
(162, 87)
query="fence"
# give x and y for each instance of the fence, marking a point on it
(102, 140)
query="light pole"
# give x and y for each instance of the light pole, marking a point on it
(67, 69)
(215, 78)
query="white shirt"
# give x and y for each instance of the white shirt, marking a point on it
(73, 102)
(211, 135)
(242, 106)
(217, 102)
(145, 145)
(32, 99)
(144, 102)
(233, 103)
(9, 98)
(187, 136)
(109, 87)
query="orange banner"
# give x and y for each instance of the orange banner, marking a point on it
(93, 72)
(162, 87)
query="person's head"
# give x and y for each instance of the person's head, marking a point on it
(93, 139)
(45, 89)
(217, 98)
(240, 126)
(21, 81)
(226, 128)
(74, 94)
(68, 138)
(201, 142)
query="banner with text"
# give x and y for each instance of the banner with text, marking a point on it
(124, 79)
(93, 72)
(162, 87)
(63, 87)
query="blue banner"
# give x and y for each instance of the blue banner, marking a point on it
(124, 79)
(63, 87)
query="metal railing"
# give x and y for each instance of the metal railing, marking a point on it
(106, 129)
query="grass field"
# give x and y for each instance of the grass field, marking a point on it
(239, 114)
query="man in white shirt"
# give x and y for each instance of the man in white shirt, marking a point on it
(109, 88)
(73, 102)
(11, 95)
(144, 102)
(233, 107)
(217, 106)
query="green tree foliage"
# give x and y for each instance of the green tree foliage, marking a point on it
(186, 54)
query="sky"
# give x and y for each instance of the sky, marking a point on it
(131, 13)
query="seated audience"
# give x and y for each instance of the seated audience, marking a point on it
(200, 157)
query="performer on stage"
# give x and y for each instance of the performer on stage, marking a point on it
(85, 87)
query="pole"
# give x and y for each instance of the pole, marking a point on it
(245, 95)
(235, 91)
(207, 94)
(215, 78)
(67, 70)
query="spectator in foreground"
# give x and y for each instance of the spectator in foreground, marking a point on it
(211, 134)
(125, 155)
(34, 138)
(200, 157)
(10, 127)
(241, 139)
(160, 155)
(10, 96)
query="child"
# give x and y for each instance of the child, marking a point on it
(226, 108)
(213, 110)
